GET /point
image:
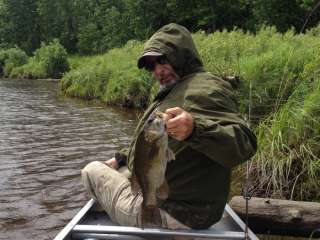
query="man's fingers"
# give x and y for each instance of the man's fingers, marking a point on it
(166, 116)
(172, 123)
(174, 111)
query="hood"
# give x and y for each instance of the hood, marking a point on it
(175, 42)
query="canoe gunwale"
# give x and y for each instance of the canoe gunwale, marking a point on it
(63, 234)
(158, 232)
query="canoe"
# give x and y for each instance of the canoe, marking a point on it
(89, 224)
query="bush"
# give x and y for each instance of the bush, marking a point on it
(53, 58)
(11, 58)
(49, 61)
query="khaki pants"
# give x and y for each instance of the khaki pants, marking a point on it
(113, 192)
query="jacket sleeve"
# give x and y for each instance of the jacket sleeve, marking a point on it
(219, 131)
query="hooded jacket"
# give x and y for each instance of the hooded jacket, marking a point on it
(199, 177)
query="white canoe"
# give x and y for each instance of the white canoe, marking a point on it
(88, 224)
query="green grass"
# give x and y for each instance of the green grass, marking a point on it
(49, 61)
(113, 77)
(288, 161)
(270, 61)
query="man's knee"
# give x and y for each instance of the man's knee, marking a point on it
(91, 174)
(90, 168)
(87, 175)
(98, 175)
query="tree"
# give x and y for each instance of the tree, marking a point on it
(58, 20)
(283, 14)
(22, 22)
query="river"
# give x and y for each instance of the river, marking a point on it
(45, 140)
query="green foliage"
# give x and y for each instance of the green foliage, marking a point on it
(283, 14)
(53, 58)
(288, 164)
(93, 27)
(106, 26)
(87, 79)
(59, 19)
(314, 31)
(271, 62)
(49, 61)
(112, 78)
(20, 22)
(89, 40)
(11, 58)
(32, 70)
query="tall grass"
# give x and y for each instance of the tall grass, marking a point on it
(270, 61)
(112, 77)
(288, 161)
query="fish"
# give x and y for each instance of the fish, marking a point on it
(152, 154)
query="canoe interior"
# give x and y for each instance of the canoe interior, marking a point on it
(100, 218)
(229, 227)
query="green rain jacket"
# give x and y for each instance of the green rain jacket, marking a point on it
(199, 178)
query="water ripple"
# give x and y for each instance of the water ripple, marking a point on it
(45, 140)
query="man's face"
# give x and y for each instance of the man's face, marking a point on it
(162, 70)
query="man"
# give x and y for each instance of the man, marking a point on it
(205, 132)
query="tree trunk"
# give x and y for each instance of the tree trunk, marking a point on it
(280, 217)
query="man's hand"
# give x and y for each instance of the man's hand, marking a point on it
(112, 162)
(179, 123)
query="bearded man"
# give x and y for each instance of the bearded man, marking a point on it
(206, 134)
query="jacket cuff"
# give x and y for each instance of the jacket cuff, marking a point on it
(196, 132)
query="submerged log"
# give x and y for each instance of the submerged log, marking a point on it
(279, 217)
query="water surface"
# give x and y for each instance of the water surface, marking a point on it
(45, 140)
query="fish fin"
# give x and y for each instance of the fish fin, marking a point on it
(170, 155)
(150, 217)
(163, 190)
(135, 187)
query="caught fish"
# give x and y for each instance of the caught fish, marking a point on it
(150, 161)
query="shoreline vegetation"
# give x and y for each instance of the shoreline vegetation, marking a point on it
(283, 70)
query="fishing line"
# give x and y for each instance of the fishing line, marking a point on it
(246, 195)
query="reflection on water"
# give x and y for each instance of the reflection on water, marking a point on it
(45, 140)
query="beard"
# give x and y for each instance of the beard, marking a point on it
(175, 78)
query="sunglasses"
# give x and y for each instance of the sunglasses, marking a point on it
(150, 65)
